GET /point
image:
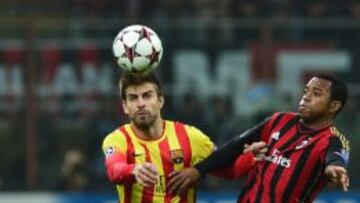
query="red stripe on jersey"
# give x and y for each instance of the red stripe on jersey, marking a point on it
(184, 142)
(167, 164)
(265, 134)
(130, 146)
(130, 159)
(186, 148)
(148, 192)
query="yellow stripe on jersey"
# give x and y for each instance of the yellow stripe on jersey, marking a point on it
(155, 157)
(191, 196)
(121, 192)
(201, 145)
(139, 153)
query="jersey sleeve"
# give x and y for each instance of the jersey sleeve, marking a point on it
(201, 145)
(114, 148)
(338, 152)
(242, 165)
(114, 142)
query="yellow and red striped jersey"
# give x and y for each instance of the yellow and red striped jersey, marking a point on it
(180, 146)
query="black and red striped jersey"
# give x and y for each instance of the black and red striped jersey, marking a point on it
(293, 168)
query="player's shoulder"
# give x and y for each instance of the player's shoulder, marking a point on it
(340, 137)
(116, 134)
(186, 126)
(191, 130)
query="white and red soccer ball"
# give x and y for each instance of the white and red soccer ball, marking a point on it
(137, 48)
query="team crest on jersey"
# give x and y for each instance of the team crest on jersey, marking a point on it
(275, 135)
(302, 144)
(176, 156)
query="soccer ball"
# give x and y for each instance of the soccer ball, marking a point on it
(137, 48)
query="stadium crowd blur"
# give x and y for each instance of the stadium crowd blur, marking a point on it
(70, 127)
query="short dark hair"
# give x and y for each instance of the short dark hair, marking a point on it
(129, 79)
(338, 89)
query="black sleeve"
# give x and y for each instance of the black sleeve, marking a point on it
(227, 154)
(336, 154)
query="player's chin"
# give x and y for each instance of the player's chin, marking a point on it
(304, 114)
(143, 122)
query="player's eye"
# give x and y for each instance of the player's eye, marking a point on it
(305, 91)
(317, 93)
(148, 95)
(132, 97)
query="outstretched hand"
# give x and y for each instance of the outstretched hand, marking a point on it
(338, 175)
(180, 181)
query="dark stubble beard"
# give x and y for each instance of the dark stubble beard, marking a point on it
(144, 125)
(315, 118)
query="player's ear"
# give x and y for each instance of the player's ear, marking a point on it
(124, 105)
(162, 100)
(335, 106)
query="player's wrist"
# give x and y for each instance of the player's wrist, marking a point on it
(200, 170)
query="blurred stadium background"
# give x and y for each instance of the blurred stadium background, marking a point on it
(227, 64)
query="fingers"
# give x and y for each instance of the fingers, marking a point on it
(176, 180)
(259, 150)
(260, 155)
(333, 174)
(144, 180)
(344, 181)
(181, 181)
(255, 147)
(347, 184)
(263, 150)
(151, 170)
(172, 174)
(338, 175)
(184, 186)
(146, 174)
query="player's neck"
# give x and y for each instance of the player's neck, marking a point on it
(319, 123)
(153, 132)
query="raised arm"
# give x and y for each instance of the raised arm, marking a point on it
(222, 158)
(229, 152)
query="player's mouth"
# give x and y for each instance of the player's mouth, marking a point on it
(142, 113)
(303, 106)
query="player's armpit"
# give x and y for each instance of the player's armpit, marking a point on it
(240, 168)
(118, 170)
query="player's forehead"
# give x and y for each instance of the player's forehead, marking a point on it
(141, 88)
(318, 83)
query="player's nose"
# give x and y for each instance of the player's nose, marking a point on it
(306, 97)
(141, 102)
